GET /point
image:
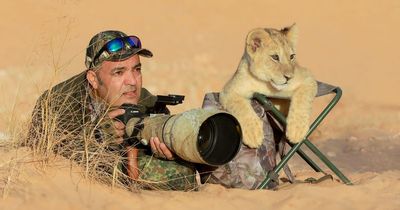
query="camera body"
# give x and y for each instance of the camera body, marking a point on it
(160, 107)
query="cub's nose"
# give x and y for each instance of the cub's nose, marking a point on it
(287, 78)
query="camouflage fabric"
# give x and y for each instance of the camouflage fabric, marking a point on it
(250, 167)
(66, 120)
(99, 40)
(162, 174)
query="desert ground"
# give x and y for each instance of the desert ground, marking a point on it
(197, 46)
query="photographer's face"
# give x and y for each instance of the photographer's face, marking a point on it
(118, 82)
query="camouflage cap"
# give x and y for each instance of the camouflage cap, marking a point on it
(99, 40)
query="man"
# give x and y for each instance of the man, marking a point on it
(77, 118)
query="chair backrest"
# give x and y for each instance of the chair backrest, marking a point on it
(324, 88)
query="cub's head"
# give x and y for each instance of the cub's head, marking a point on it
(271, 54)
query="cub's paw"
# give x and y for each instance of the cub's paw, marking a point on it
(253, 134)
(296, 131)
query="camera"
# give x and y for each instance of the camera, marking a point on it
(206, 136)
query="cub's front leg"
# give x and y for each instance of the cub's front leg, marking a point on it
(298, 121)
(251, 124)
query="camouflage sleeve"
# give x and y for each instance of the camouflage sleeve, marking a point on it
(250, 167)
(161, 174)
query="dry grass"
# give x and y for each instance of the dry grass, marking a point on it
(58, 131)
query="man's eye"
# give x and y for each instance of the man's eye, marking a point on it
(275, 57)
(292, 56)
(118, 73)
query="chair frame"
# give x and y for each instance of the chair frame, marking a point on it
(269, 107)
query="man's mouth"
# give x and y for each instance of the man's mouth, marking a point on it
(130, 93)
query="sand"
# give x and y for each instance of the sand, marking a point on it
(197, 47)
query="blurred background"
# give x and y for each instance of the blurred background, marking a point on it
(198, 44)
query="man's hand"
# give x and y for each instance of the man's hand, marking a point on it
(118, 125)
(160, 149)
(157, 147)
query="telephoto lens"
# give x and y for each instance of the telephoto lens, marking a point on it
(207, 136)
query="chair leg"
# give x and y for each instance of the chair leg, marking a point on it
(315, 150)
(280, 165)
(296, 147)
(327, 162)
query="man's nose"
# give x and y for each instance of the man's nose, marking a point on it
(130, 78)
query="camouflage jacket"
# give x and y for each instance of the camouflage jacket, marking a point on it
(67, 120)
(250, 166)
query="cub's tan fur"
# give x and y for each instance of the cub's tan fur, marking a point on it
(269, 66)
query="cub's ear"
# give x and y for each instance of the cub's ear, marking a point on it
(291, 33)
(256, 39)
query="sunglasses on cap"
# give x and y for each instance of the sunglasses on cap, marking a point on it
(117, 45)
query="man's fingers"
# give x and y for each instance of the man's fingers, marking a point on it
(157, 143)
(119, 125)
(155, 147)
(116, 112)
(119, 133)
(119, 128)
(119, 140)
(160, 148)
(152, 145)
(166, 151)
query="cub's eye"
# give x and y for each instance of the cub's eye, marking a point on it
(292, 56)
(275, 57)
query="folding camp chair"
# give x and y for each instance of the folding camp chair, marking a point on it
(323, 89)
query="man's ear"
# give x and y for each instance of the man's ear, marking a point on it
(256, 39)
(291, 33)
(92, 79)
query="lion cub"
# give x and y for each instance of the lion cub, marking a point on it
(269, 66)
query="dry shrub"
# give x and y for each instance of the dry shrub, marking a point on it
(58, 128)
